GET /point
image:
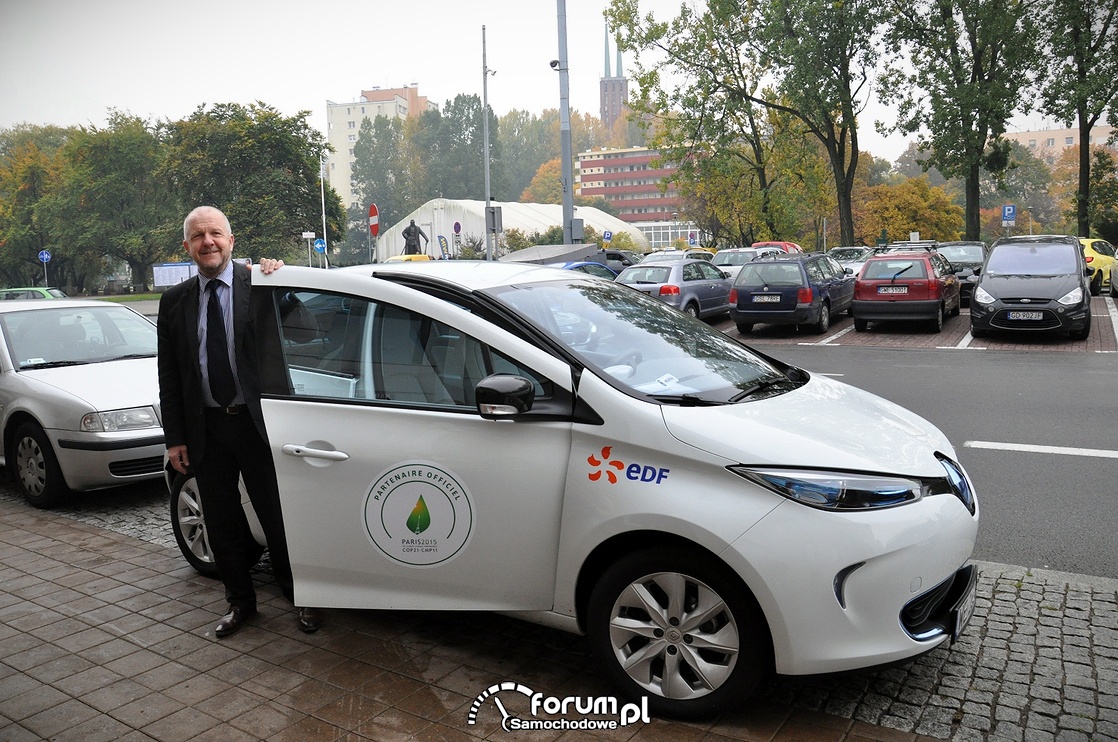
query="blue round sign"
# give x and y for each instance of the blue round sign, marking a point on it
(44, 256)
(320, 245)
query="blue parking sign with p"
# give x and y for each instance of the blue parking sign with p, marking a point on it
(1009, 213)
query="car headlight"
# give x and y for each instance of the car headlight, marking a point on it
(982, 296)
(837, 490)
(1073, 297)
(133, 418)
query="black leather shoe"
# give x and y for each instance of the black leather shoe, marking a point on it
(232, 621)
(310, 620)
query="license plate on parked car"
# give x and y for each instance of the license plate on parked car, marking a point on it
(892, 289)
(766, 297)
(1026, 315)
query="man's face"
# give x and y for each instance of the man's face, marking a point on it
(209, 242)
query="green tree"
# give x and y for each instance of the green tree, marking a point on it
(1025, 182)
(527, 143)
(29, 166)
(967, 63)
(110, 202)
(259, 167)
(910, 206)
(1080, 41)
(718, 56)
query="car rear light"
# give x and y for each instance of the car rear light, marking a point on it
(804, 295)
(1089, 258)
(669, 290)
(733, 296)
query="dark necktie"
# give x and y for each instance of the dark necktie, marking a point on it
(222, 386)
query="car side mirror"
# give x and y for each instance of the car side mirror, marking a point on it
(503, 396)
(848, 271)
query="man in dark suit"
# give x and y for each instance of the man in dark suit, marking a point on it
(209, 391)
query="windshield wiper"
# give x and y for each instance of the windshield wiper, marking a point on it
(687, 400)
(126, 357)
(51, 364)
(902, 270)
(759, 386)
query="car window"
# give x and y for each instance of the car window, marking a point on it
(645, 274)
(814, 271)
(692, 272)
(709, 272)
(963, 253)
(942, 267)
(1102, 247)
(76, 335)
(351, 348)
(904, 268)
(770, 274)
(1033, 259)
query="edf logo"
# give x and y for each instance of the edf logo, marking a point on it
(603, 464)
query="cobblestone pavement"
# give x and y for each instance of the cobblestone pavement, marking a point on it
(1038, 662)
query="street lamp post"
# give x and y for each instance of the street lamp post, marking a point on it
(560, 65)
(485, 73)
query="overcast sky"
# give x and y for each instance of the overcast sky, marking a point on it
(66, 62)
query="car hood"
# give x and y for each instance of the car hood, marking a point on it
(823, 424)
(110, 385)
(1037, 287)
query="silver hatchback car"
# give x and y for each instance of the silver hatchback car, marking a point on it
(79, 397)
(695, 287)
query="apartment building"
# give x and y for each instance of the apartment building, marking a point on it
(1048, 144)
(343, 122)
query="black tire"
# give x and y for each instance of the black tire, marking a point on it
(861, 325)
(936, 322)
(824, 322)
(1113, 284)
(691, 310)
(36, 467)
(1096, 283)
(188, 523)
(976, 333)
(620, 624)
(745, 328)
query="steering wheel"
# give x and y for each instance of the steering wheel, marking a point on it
(630, 358)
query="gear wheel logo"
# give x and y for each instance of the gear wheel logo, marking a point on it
(603, 465)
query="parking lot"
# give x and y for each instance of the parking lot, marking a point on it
(955, 334)
(107, 634)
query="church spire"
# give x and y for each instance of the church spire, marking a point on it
(607, 75)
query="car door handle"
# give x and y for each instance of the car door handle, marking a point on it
(294, 449)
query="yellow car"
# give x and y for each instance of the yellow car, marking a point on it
(1099, 255)
(407, 258)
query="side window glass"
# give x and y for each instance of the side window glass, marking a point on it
(814, 272)
(691, 272)
(346, 347)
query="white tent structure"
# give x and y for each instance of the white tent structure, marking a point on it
(459, 220)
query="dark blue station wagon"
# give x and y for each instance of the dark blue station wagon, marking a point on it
(805, 289)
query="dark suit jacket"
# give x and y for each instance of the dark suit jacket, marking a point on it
(180, 375)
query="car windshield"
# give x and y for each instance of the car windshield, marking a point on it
(734, 258)
(849, 253)
(962, 253)
(1032, 259)
(894, 268)
(39, 338)
(642, 344)
(655, 257)
(770, 274)
(645, 274)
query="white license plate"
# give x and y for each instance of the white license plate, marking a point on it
(892, 289)
(964, 608)
(762, 298)
(1026, 315)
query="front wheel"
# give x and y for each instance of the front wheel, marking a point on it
(36, 467)
(188, 523)
(1082, 334)
(680, 628)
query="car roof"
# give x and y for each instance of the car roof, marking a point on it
(1039, 239)
(471, 275)
(17, 305)
(916, 253)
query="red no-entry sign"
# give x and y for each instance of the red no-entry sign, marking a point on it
(374, 220)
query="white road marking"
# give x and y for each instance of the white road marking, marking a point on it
(1028, 448)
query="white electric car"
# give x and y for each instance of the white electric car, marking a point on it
(516, 438)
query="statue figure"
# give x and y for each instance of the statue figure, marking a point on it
(412, 234)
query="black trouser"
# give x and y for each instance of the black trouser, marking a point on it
(235, 449)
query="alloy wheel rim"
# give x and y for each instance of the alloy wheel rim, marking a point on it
(192, 523)
(674, 636)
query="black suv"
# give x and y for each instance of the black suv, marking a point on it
(1033, 283)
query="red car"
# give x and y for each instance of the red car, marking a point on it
(906, 286)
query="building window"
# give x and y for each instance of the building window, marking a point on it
(352, 138)
(1050, 143)
(1068, 141)
(352, 124)
(1032, 144)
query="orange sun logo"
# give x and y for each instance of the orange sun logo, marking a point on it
(605, 460)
